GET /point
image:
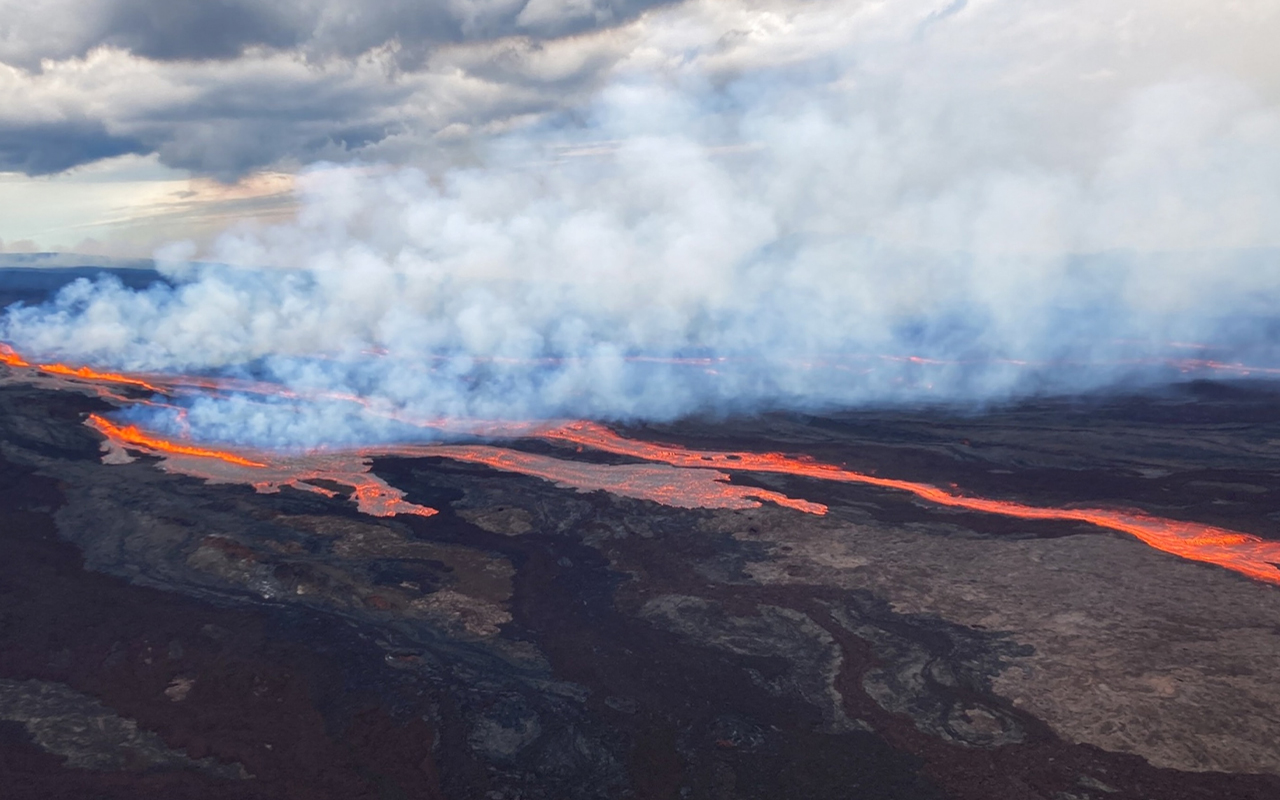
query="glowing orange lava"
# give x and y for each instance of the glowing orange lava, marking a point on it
(371, 494)
(668, 485)
(99, 377)
(132, 434)
(10, 357)
(691, 478)
(1244, 553)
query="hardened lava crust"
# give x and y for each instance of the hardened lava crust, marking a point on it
(166, 637)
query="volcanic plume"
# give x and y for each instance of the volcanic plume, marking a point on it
(856, 207)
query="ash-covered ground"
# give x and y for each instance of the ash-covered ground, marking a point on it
(161, 637)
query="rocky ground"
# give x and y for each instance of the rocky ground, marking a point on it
(161, 637)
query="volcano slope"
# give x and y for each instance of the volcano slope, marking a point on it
(163, 636)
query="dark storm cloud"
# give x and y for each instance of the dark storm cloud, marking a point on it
(349, 28)
(227, 149)
(233, 127)
(223, 119)
(223, 87)
(221, 29)
(195, 29)
(49, 147)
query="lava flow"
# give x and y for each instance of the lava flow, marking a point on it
(97, 377)
(135, 436)
(1244, 553)
(268, 473)
(668, 485)
(665, 484)
(689, 479)
(10, 357)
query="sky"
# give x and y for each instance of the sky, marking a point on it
(556, 207)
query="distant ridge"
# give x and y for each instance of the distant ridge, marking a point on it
(33, 278)
(64, 260)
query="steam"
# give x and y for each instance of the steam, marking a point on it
(758, 210)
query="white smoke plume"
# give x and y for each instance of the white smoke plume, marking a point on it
(765, 206)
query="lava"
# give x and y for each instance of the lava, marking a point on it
(133, 435)
(689, 479)
(88, 374)
(271, 473)
(1202, 365)
(667, 485)
(10, 357)
(1247, 554)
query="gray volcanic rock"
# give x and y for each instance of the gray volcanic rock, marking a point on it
(780, 633)
(88, 735)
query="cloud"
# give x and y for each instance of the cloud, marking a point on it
(193, 29)
(267, 109)
(221, 119)
(224, 88)
(187, 30)
(63, 145)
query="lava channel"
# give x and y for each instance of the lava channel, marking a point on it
(1244, 553)
(664, 484)
(267, 473)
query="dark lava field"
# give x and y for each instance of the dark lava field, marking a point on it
(163, 637)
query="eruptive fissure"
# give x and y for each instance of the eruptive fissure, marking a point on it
(686, 478)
